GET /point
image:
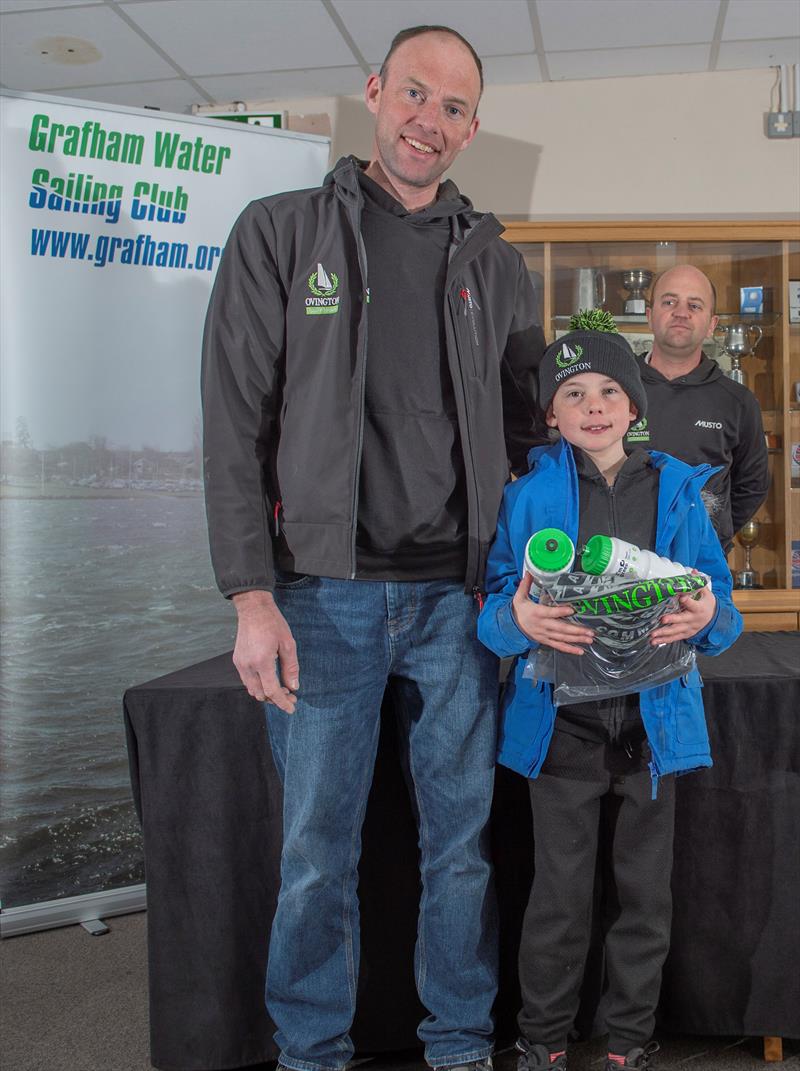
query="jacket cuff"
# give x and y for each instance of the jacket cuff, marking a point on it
(716, 634)
(239, 589)
(514, 639)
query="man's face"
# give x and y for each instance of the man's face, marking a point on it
(425, 110)
(682, 312)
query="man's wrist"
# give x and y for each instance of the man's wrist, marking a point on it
(253, 601)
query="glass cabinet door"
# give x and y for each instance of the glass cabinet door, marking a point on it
(793, 390)
(612, 266)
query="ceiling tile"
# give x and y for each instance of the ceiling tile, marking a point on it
(7, 6)
(277, 85)
(219, 36)
(511, 70)
(173, 95)
(595, 24)
(765, 18)
(124, 56)
(491, 29)
(623, 62)
(736, 55)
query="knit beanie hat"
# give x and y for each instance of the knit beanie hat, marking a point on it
(605, 352)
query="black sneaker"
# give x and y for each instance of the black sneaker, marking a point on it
(636, 1059)
(537, 1058)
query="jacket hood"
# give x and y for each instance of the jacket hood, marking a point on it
(705, 372)
(449, 199)
(676, 476)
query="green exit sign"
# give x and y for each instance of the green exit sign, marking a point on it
(273, 119)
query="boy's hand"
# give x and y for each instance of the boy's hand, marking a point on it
(696, 610)
(546, 624)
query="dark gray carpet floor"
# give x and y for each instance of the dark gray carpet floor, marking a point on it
(72, 1002)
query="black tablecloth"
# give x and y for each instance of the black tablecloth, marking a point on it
(209, 802)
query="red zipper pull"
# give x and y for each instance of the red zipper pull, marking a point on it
(275, 516)
(477, 594)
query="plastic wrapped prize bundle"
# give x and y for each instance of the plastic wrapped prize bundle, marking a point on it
(622, 610)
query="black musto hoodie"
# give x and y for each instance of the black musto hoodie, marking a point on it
(412, 500)
(706, 417)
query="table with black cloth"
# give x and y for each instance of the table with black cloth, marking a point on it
(210, 805)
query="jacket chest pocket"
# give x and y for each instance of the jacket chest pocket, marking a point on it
(470, 330)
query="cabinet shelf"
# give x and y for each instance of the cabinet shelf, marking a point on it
(762, 319)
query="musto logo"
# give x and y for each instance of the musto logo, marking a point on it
(323, 286)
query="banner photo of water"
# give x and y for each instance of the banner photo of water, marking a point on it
(98, 594)
(112, 224)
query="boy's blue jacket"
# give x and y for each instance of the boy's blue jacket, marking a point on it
(547, 496)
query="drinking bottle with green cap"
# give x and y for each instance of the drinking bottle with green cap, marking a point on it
(608, 556)
(548, 553)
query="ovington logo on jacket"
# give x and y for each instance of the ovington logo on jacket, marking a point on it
(638, 432)
(323, 285)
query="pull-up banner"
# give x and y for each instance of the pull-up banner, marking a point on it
(113, 223)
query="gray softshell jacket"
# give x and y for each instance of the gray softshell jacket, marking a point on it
(284, 355)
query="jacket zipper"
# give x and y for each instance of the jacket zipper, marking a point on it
(617, 703)
(362, 263)
(469, 456)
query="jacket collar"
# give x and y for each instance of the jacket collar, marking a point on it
(560, 509)
(471, 230)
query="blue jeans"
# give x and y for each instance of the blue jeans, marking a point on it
(353, 637)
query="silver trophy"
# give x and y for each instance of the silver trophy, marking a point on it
(637, 280)
(749, 534)
(738, 340)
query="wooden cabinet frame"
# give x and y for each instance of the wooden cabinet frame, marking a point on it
(775, 607)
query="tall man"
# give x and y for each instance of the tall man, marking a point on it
(694, 411)
(369, 369)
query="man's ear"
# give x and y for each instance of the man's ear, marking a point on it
(372, 92)
(550, 417)
(473, 130)
(634, 413)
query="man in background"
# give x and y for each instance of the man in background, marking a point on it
(369, 379)
(694, 411)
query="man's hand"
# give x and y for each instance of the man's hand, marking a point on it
(696, 610)
(546, 624)
(262, 637)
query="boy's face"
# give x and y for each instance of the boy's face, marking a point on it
(594, 413)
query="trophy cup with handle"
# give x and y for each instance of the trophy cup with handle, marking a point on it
(738, 340)
(747, 579)
(636, 281)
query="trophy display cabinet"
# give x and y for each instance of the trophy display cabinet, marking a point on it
(755, 267)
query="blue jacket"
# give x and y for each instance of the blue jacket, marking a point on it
(547, 496)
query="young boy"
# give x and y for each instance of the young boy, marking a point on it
(604, 759)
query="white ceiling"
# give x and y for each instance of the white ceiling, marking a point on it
(174, 53)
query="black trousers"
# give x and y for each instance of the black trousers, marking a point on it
(571, 819)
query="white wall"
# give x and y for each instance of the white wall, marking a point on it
(689, 144)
